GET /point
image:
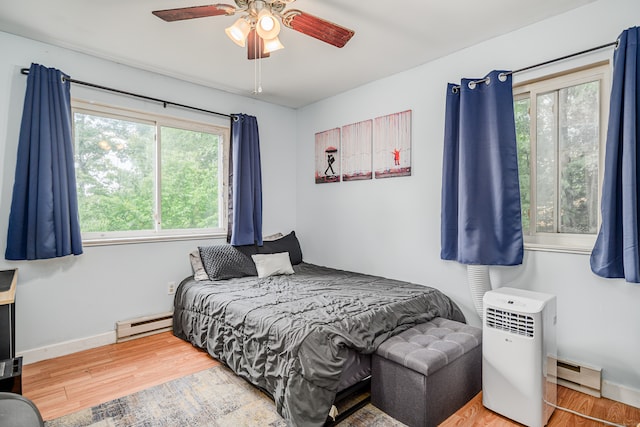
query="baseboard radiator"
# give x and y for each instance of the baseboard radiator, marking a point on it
(581, 378)
(143, 326)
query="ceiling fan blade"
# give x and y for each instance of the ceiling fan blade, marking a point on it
(318, 28)
(182, 13)
(255, 46)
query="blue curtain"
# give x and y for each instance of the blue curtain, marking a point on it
(43, 222)
(247, 182)
(616, 254)
(480, 217)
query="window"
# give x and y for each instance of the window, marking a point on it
(143, 177)
(560, 130)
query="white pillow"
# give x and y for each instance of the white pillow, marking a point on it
(272, 264)
(199, 273)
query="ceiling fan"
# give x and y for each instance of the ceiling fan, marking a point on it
(258, 27)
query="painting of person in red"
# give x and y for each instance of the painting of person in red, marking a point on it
(396, 156)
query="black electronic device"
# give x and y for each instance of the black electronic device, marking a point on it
(11, 375)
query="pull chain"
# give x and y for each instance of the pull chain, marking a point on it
(257, 66)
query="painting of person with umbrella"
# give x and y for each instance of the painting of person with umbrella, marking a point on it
(328, 156)
(330, 159)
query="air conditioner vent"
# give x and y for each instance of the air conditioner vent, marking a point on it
(516, 323)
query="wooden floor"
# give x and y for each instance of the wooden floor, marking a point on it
(67, 384)
(474, 414)
(81, 380)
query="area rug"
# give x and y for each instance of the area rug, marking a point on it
(211, 398)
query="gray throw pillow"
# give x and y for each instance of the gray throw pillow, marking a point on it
(228, 262)
(199, 273)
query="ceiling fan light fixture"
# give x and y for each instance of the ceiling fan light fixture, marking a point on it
(238, 32)
(272, 45)
(267, 25)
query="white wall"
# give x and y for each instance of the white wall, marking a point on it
(391, 227)
(72, 298)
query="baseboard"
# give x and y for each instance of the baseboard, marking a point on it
(620, 393)
(67, 347)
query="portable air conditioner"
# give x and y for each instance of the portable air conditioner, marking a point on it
(519, 365)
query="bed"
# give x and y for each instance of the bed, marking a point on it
(302, 335)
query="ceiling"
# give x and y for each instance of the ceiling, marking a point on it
(389, 37)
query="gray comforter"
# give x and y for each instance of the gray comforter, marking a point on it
(288, 334)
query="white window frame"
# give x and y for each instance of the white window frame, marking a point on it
(159, 121)
(564, 242)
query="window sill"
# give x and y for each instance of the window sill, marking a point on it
(564, 249)
(150, 239)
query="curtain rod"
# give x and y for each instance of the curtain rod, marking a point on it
(25, 71)
(551, 61)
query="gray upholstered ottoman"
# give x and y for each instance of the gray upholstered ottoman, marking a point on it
(423, 375)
